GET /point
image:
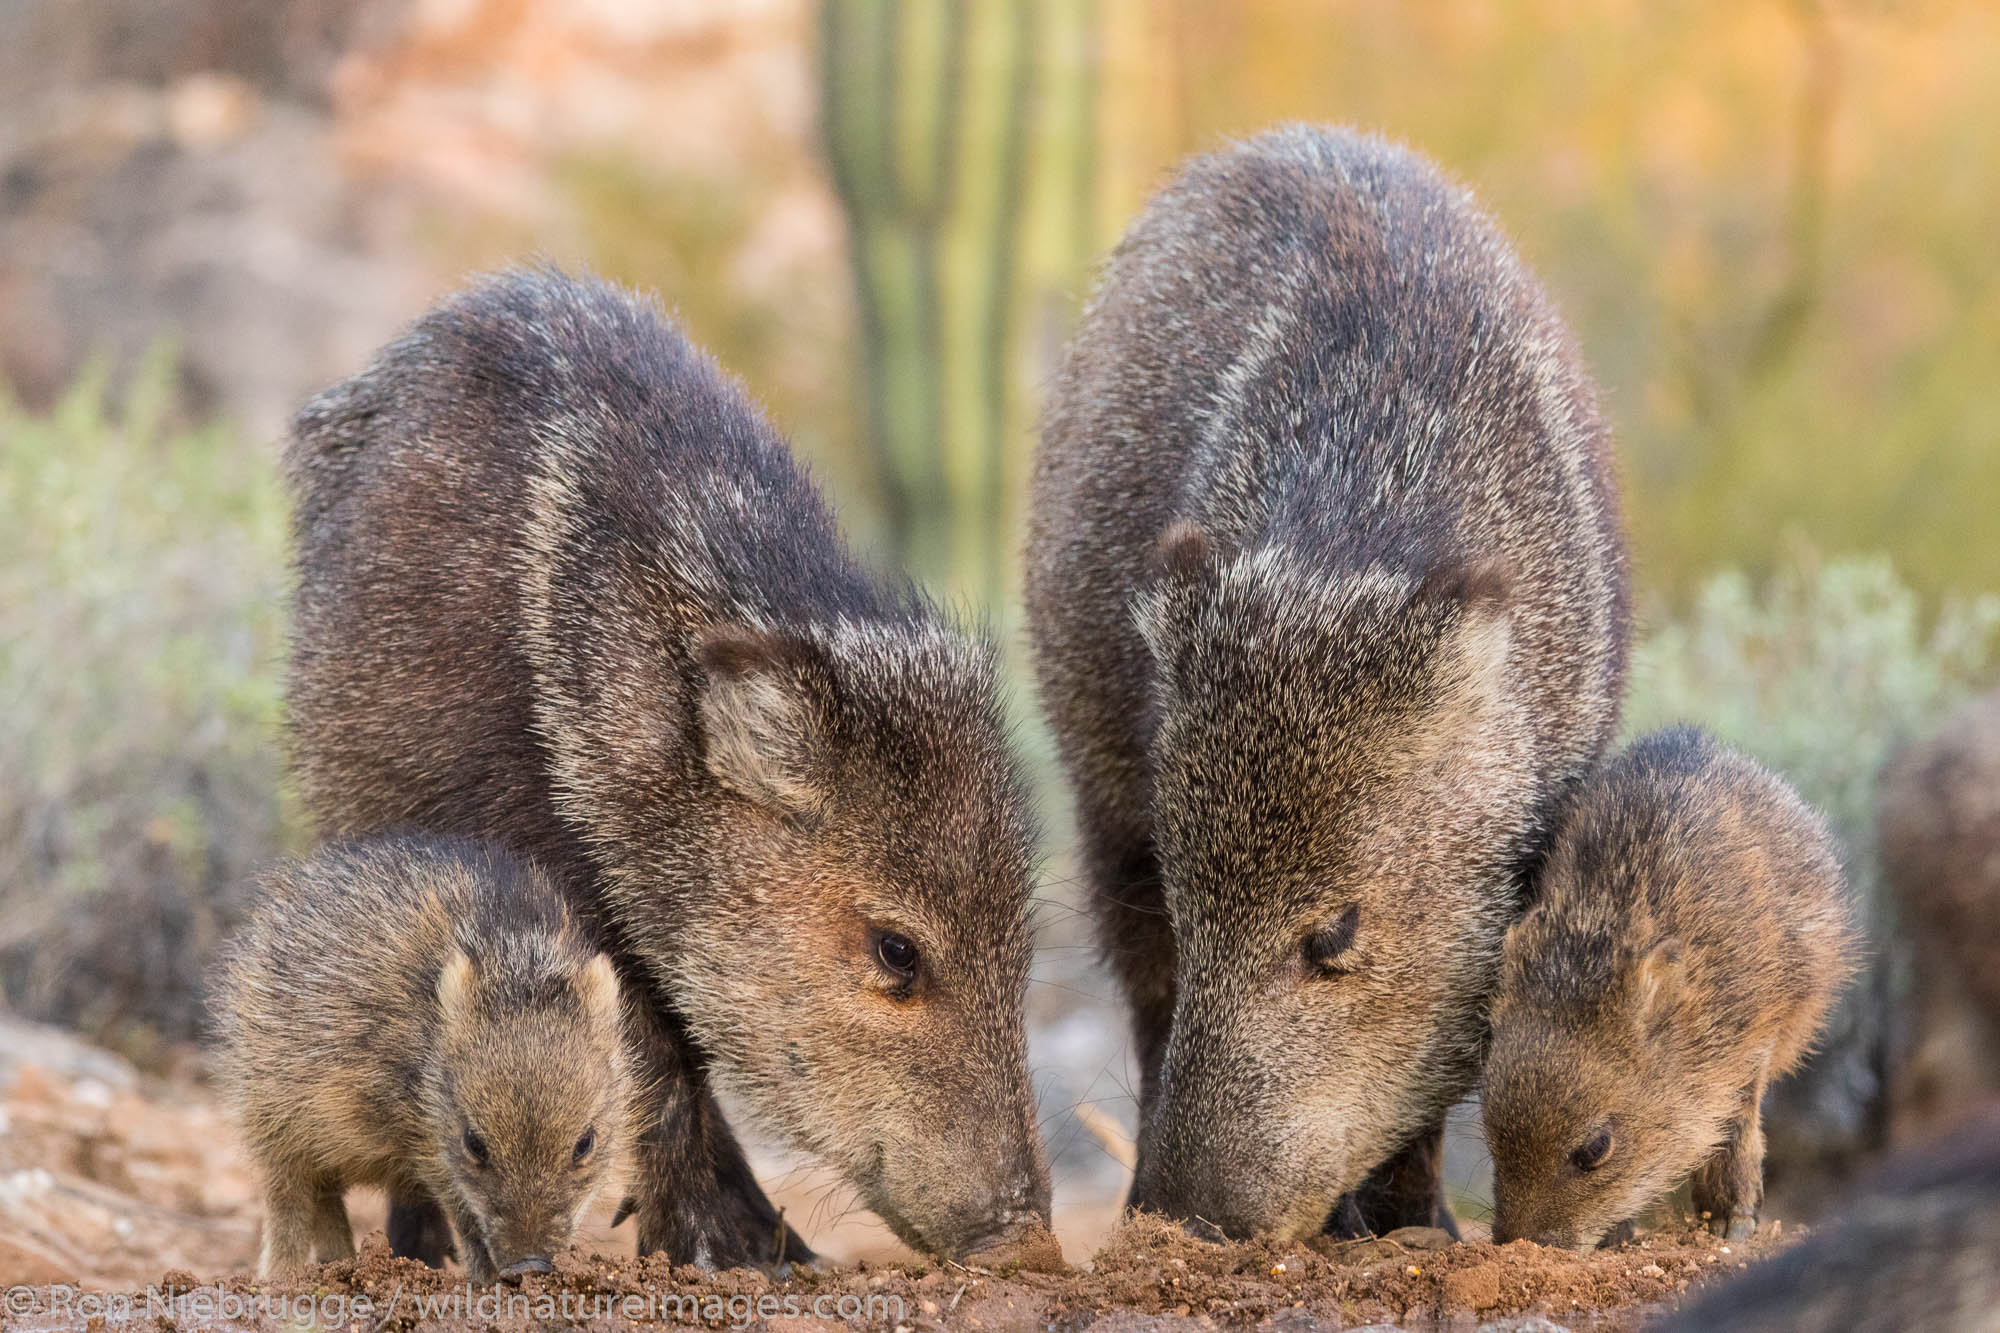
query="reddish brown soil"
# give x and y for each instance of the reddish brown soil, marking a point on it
(112, 1182)
(1149, 1276)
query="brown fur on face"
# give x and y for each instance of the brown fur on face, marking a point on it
(1327, 592)
(1309, 798)
(1691, 934)
(424, 1016)
(563, 586)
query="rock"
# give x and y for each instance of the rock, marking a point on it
(29, 1263)
(1475, 1288)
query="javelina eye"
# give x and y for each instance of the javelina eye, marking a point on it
(1327, 949)
(584, 1145)
(897, 954)
(1590, 1154)
(475, 1148)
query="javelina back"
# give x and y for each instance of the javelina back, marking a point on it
(1328, 601)
(1940, 838)
(1691, 933)
(1913, 1254)
(561, 585)
(425, 1016)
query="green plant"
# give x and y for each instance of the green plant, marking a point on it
(1823, 673)
(141, 572)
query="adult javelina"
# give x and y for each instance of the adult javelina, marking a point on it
(1690, 932)
(562, 586)
(427, 1016)
(1328, 601)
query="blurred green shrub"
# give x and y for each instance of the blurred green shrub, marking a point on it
(141, 570)
(1822, 673)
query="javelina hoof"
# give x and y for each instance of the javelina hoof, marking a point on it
(1201, 1229)
(520, 1268)
(1622, 1234)
(1734, 1226)
(731, 1233)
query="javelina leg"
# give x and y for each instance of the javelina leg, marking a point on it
(1405, 1191)
(333, 1234)
(417, 1228)
(290, 1202)
(1729, 1186)
(472, 1251)
(1137, 940)
(692, 1191)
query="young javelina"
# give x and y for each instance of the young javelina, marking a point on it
(1939, 823)
(424, 1016)
(1328, 600)
(1914, 1253)
(561, 585)
(1692, 931)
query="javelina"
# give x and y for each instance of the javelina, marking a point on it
(1913, 1254)
(1328, 601)
(1939, 829)
(425, 1016)
(561, 585)
(1691, 932)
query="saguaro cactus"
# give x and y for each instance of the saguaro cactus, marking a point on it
(938, 120)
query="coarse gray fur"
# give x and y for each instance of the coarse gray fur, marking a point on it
(561, 584)
(1328, 603)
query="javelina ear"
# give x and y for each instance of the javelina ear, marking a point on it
(760, 725)
(597, 987)
(1657, 978)
(1475, 585)
(455, 986)
(1182, 554)
(1483, 627)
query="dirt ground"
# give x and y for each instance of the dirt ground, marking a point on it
(123, 1203)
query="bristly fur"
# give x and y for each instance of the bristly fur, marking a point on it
(351, 1060)
(1691, 934)
(562, 585)
(1327, 593)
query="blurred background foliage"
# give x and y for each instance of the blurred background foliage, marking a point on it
(1771, 223)
(140, 568)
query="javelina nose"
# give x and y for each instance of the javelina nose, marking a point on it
(520, 1268)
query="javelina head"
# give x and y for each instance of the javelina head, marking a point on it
(852, 952)
(1589, 1117)
(527, 1100)
(1339, 795)
(865, 990)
